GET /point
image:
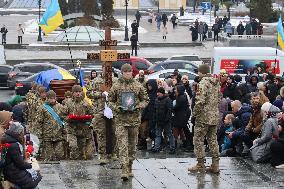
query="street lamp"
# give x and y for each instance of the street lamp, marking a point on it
(39, 28)
(126, 28)
(158, 6)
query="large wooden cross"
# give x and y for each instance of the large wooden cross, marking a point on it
(108, 55)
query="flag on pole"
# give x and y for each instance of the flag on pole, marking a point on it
(280, 37)
(52, 18)
(82, 84)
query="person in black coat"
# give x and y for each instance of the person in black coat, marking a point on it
(138, 17)
(230, 91)
(181, 112)
(164, 19)
(16, 170)
(152, 88)
(134, 27)
(241, 29)
(194, 33)
(134, 41)
(271, 87)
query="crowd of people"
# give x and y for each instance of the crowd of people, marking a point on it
(230, 116)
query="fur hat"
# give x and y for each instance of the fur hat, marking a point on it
(204, 69)
(126, 68)
(51, 94)
(77, 88)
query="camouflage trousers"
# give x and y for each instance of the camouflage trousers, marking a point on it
(52, 150)
(99, 124)
(210, 132)
(80, 147)
(126, 142)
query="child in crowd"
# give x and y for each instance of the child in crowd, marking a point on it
(228, 123)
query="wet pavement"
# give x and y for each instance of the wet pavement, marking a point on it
(155, 173)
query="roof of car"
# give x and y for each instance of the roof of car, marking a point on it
(34, 63)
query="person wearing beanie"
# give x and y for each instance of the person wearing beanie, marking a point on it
(127, 98)
(52, 136)
(5, 106)
(15, 169)
(78, 115)
(67, 96)
(163, 116)
(206, 115)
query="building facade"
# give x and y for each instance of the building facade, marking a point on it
(138, 4)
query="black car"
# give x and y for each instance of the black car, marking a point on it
(23, 86)
(173, 64)
(24, 70)
(4, 70)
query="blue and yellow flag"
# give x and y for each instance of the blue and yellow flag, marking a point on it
(280, 37)
(82, 84)
(52, 18)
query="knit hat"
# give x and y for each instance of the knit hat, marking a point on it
(16, 129)
(51, 94)
(126, 68)
(161, 90)
(204, 69)
(77, 88)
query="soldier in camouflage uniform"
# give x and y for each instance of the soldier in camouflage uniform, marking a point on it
(206, 111)
(127, 97)
(79, 135)
(40, 99)
(96, 93)
(67, 96)
(52, 129)
(31, 97)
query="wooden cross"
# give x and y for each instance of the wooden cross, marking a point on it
(108, 55)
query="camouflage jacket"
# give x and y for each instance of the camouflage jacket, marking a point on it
(208, 97)
(115, 97)
(50, 129)
(95, 94)
(31, 99)
(80, 108)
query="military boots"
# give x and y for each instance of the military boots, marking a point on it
(130, 174)
(103, 160)
(214, 168)
(199, 167)
(124, 174)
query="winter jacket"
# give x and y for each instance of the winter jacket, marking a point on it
(251, 86)
(134, 27)
(243, 94)
(148, 113)
(271, 91)
(229, 28)
(227, 142)
(15, 169)
(248, 29)
(188, 89)
(163, 109)
(230, 91)
(216, 28)
(181, 109)
(164, 18)
(243, 115)
(240, 29)
(261, 149)
(201, 29)
(134, 40)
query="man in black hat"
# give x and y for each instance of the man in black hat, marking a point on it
(134, 41)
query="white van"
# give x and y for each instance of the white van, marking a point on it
(239, 60)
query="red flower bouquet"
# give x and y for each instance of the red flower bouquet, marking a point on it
(81, 118)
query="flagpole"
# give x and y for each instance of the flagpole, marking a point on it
(70, 52)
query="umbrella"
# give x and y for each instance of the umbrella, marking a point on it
(45, 77)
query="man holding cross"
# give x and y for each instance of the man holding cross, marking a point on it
(127, 98)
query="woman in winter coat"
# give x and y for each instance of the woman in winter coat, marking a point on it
(230, 90)
(16, 169)
(260, 150)
(229, 29)
(181, 112)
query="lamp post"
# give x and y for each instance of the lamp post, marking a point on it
(126, 28)
(158, 6)
(39, 28)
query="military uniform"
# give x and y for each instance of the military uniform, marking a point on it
(31, 99)
(99, 123)
(127, 122)
(51, 134)
(79, 135)
(206, 111)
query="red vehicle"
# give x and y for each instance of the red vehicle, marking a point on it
(137, 64)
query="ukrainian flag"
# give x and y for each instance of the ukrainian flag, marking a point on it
(82, 84)
(280, 33)
(52, 18)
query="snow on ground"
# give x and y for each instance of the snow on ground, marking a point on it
(31, 28)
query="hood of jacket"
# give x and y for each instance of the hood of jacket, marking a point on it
(244, 109)
(152, 94)
(253, 75)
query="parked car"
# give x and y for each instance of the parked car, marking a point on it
(22, 86)
(137, 64)
(163, 74)
(24, 70)
(87, 71)
(191, 58)
(4, 70)
(173, 64)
